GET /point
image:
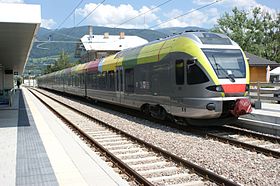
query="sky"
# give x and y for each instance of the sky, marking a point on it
(113, 13)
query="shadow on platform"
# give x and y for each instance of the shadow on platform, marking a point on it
(23, 120)
(16, 115)
(33, 166)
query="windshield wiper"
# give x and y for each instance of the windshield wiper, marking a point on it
(219, 67)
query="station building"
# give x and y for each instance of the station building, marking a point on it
(259, 66)
(93, 47)
(19, 24)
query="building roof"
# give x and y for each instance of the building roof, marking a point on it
(275, 71)
(19, 24)
(111, 43)
(259, 61)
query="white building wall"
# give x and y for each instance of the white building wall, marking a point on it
(9, 81)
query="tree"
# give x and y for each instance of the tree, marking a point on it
(61, 63)
(257, 32)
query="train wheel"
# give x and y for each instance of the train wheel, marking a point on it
(170, 118)
(162, 114)
(146, 109)
(158, 112)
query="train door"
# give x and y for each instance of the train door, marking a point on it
(120, 84)
(179, 83)
(85, 82)
(63, 82)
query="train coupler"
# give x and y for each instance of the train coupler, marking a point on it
(242, 107)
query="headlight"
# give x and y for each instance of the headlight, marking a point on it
(215, 88)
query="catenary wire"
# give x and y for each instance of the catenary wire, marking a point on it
(143, 13)
(214, 2)
(69, 14)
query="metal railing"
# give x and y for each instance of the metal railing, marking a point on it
(264, 91)
(11, 94)
(6, 97)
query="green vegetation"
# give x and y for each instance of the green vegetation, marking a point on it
(61, 63)
(256, 32)
(44, 56)
(74, 35)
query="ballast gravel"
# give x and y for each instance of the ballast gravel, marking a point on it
(237, 164)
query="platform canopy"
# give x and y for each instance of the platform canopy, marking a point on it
(19, 24)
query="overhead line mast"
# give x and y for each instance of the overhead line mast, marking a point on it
(69, 14)
(85, 17)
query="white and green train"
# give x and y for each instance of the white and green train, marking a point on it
(198, 76)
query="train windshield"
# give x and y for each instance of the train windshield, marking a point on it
(227, 63)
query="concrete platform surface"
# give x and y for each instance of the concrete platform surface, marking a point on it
(266, 119)
(38, 149)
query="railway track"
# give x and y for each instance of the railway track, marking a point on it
(144, 163)
(253, 141)
(249, 140)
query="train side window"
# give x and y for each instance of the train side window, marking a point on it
(83, 80)
(72, 80)
(129, 80)
(79, 80)
(104, 81)
(99, 77)
(94, 81)
(179, 72)
(88, 80)
(117, 79)
(121, 76)
(195, 75)
(111, 79)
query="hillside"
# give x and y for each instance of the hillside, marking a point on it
(45, 54)
(73, 34)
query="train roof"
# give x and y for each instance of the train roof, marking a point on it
(209, 38)
(203, 39)
(200, 37)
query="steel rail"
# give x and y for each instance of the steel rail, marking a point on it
(228, 140)
(207, 174)
(251, 133)
(203, 133)
(116, 161)
(248, 146)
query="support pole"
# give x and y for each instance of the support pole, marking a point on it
(258, 103)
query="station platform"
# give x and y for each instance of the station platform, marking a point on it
(38, 149)
(266, 119)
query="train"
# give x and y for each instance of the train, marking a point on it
(198, 77)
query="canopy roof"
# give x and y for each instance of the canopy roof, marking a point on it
(19, 24)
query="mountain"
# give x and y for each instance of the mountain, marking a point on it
(177, 30)
(74, 34)
(43, 54)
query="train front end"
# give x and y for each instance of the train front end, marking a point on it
(223, 95)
